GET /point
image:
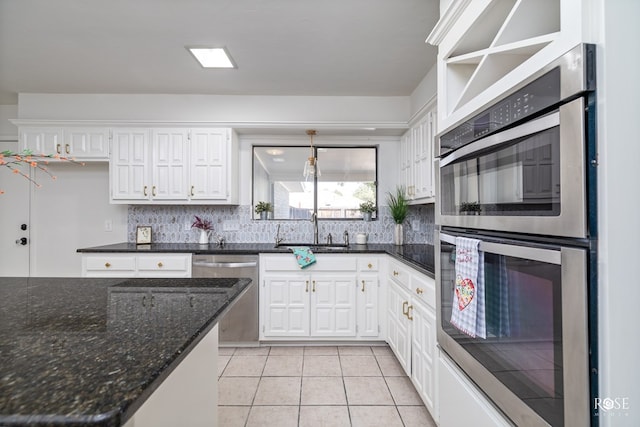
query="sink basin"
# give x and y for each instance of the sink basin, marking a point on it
(314, 247)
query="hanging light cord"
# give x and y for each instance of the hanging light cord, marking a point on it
(312, 159)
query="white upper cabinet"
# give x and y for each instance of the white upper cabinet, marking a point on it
(82, 143)
(486, 47)
(174, 165)
(417, 154)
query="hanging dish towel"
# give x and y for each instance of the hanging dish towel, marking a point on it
(304, 256)
(468, 311)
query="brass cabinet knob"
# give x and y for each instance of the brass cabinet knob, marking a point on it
(419, 291)
(106, 264)
(160, 265)
(369, 265)
(395, 273)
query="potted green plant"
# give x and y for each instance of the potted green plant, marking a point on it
(263, 209)
(399, 206)
(367, 208)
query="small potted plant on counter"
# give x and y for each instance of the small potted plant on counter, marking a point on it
(399, 206)
(206, 228)
(263, 209)
(367, 208)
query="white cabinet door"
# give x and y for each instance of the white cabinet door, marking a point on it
(42, 140)
(209, 164)
(367, 305)
(286, 305)
(423, 353)
(129, 165)
(399, 328)
(333, 306)
(170, 164)
(87, 143)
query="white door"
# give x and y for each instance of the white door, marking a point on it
(14, 213)
(367, 290)
(333, 306)
(398, 325)
(129, 165)
(42, 140)
(209, 164)
(423, 353)
(87, 142)
(170, 158)
(287, 306)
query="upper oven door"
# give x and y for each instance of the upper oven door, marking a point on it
(528, 179)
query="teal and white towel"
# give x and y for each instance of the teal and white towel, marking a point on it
(304, 256)
(468, 311)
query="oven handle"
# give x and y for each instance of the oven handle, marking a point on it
(548, 256)
(528, 128)
(224, 264)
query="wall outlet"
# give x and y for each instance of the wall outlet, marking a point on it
(108, 225)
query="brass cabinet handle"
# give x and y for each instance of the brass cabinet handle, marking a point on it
(314, 286)
(144, 190)
(160, 265)
(404, 307)
(192, 187)
(153, 191)
(369, 265)
(106, 264)
(58, 150)
(363, 286)
(66, 148)
(409, 316)
(419, 291)
(395, 273)
(306, 289)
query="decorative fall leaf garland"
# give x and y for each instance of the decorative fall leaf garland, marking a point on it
(19, 163)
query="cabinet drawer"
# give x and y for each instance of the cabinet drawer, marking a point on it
(368, 264)
(109, 265)
(424, 288)
(163, 262)
(323, 263)
(400, 274)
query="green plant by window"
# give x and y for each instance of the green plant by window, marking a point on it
(367, 207)
(263, 207)
(398, 205)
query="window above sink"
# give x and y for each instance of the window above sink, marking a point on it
(348, 177)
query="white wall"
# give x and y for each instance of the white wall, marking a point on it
(8, 131)
(70, 213)
(424, 94)
(619, 221)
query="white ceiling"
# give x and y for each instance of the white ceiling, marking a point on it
(281, 47)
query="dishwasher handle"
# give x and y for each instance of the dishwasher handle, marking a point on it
(224, 264)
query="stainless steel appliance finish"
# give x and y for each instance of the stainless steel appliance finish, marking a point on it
(531, 178)
(528, 374)
(240, 325)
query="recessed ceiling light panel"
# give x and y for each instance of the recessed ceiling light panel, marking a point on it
(212, 57)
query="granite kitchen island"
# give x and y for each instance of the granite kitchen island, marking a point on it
(110, 352)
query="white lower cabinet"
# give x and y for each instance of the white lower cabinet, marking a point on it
(136, 265)
(411, 319)
(329, 300)
(461, 403)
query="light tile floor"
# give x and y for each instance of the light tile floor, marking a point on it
(316, 386)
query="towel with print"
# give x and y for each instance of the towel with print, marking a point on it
(304, 256)
(468, 311)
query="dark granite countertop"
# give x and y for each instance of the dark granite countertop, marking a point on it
(419, 256)
(80, 351)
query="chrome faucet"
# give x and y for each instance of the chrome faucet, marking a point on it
(314, 220)
(278, 238)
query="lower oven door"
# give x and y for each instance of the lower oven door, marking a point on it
(533, 363)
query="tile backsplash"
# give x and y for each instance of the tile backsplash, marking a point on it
(172, 224)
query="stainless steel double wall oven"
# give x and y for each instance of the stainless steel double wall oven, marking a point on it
(520, 177)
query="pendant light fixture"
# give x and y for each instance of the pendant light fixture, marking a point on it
(311, 165)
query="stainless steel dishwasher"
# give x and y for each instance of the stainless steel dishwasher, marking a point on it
(240, 325)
